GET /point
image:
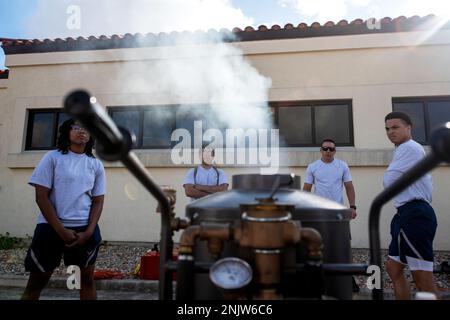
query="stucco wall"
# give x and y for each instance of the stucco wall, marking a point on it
(369, 69)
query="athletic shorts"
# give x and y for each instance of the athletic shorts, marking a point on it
(47, 248)
(412, 230)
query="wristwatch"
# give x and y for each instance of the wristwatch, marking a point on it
(353, 206)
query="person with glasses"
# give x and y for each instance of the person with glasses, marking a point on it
(69, 186)
(329, 175)
(414, 225)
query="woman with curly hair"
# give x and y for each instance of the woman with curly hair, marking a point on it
(70, 186)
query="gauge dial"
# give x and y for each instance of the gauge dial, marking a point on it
(231, 273)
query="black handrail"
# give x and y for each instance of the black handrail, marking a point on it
(114, 144)
(440, 143)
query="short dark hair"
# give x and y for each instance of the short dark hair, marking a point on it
(63, 142)
(399, 115)
(327, 140)
(206, 146)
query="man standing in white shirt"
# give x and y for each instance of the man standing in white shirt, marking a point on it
(414, 225)
(205, 179)
(329, 175)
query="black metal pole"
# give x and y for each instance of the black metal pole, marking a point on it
(133, 164)
(113, 145)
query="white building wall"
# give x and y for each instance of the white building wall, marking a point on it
(369, 69)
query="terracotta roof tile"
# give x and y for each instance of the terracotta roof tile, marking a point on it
(289, 26)
(275, 27)
(262, 32)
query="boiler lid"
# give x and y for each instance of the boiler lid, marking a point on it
(225, 205)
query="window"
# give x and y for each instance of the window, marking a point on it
(154, 125)
(42, 128)
(426, 113)
(151, 126)
(303, 124)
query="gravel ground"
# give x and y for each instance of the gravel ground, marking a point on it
(442, 280)
(118, 258)
(124, 259)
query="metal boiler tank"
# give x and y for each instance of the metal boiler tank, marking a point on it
(330, 219)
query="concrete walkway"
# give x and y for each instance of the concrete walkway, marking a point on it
(11, 288)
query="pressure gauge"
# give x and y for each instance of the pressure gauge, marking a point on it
(231, 273)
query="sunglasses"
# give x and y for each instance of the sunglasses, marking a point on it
(331, 149)
(76, 127)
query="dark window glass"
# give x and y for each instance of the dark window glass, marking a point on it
(416, 113)
(62, 116)
(130, 120)
(42, 130)
(159, 124)
(332, 121)
(295, 125)
(438, 113)
(426, 114)
(186, 117)
(308, 123)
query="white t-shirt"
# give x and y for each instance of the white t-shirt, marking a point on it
(73, 179)
(205, 177)
(328, 178)
(407, 155)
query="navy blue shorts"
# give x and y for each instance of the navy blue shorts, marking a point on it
(47, 249)
(413, 229)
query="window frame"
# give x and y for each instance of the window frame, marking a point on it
(30, 123)
(426, 117)
(141, 109)
(275, 105)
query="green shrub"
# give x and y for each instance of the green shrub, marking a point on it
(7, 242)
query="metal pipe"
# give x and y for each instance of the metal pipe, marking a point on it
(345, 269)
(133, 164)
(115, 144)
(187, 239)
(314, 242)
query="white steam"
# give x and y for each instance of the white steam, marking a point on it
(192, 68)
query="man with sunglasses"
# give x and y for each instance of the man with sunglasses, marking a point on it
(328, 175)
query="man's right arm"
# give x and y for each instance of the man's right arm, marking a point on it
(192, 192)
(309, 178)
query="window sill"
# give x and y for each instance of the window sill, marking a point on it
(289, 157)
